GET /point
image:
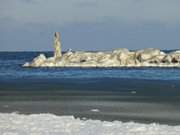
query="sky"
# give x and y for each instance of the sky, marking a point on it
(29, 25)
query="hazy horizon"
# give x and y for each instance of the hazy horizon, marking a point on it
(29, 25)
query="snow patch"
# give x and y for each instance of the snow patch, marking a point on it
(49, 124)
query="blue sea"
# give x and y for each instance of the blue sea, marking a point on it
(128, 94)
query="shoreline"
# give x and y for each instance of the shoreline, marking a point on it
(106, 67)
(14, 123)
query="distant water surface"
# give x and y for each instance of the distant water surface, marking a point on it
(127, 94)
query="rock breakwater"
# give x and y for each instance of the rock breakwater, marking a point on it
(122, 57)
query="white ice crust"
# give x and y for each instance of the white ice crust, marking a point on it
(50, 124)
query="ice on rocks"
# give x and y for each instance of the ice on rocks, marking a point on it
(122, 57)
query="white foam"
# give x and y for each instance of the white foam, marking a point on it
(49, 124)
(133, 92)
(5, 106)
(95, 110)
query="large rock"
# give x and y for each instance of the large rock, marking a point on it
(175, 57)
(67, 56)
(38, 61)
(172, 58)
(123, 57)
(146, 54)
(167, 59)
(104, 58)
(132, 59)
(126, 58)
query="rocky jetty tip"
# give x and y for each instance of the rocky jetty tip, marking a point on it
(122, 57)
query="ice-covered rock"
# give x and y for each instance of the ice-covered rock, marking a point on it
(167, 59)
(116, 58)
(122, 57)
(38, 61)
(175, 57)
(146, 54)
(57, 46)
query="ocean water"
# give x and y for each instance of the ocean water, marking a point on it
(127, 94)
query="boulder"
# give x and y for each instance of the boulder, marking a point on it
(167, 59)
(123, 57)
(74, 59)
(156, 59)
(67, 56)
(175, 57)
(146, 54)
(126, 58)
(38, 61)
(104, 58)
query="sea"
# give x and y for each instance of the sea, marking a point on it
(145, 95)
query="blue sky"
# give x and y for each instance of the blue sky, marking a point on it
(28, 25)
